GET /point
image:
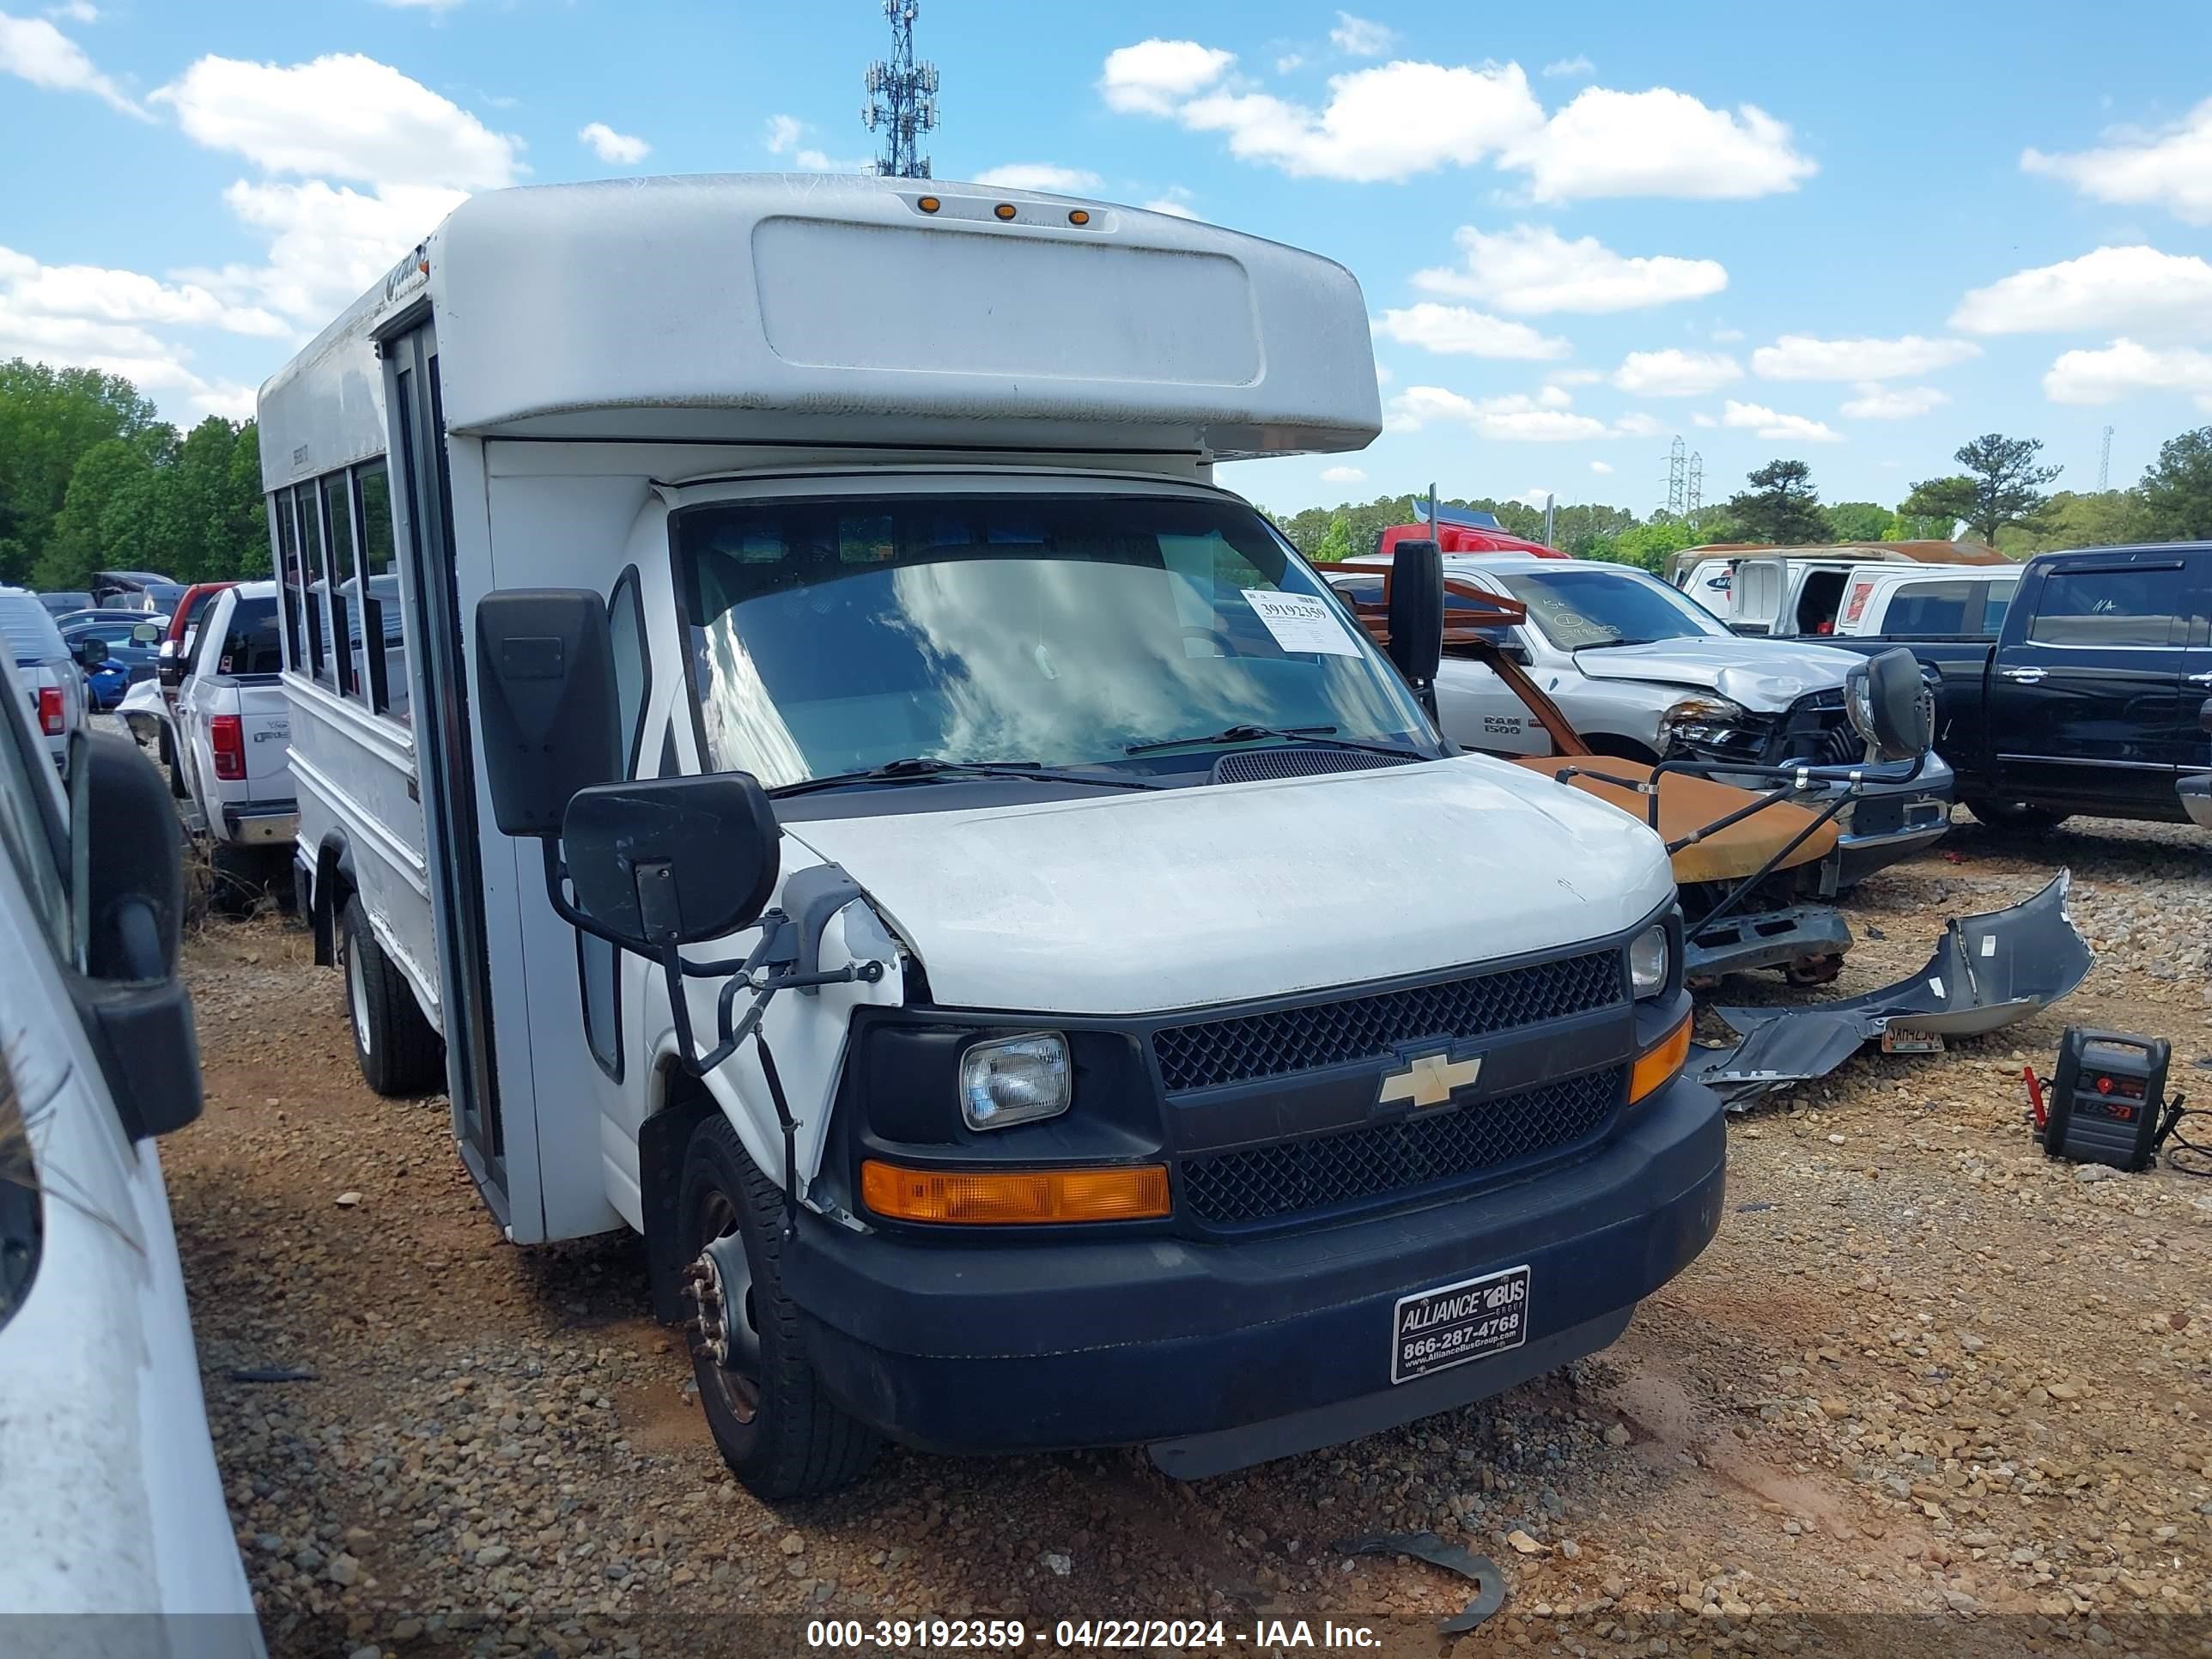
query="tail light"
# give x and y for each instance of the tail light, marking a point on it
(50, 710)
(228, 735)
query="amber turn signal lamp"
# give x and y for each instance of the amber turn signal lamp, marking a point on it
(1656, 1065)
(1004, 210)
(1078, 216)
(929, 204)
(1121, 1192)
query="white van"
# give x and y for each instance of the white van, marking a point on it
(1927, 601)
(815, 588)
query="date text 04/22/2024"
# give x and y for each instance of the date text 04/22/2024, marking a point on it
(950, 1635)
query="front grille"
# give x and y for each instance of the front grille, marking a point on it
(1263, 1183)
(1816, 729)
(1249, 1046)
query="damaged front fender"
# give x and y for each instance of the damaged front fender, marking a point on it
(1989, 971)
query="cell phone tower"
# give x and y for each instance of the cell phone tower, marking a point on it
(901, 98)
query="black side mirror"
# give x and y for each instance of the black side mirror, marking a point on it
(169, 667)
(126, 883)
(1417, 610)
(91, 651)
(546, 702)
(1890, 705)
(668, 861)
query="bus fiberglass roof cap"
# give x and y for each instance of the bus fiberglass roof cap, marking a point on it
(864, 310)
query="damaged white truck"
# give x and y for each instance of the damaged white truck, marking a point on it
(897, 835)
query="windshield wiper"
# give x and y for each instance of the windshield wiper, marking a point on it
(925, 767)
(1608, 645)
(1254, 733)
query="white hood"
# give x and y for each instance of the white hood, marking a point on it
(1766, 675)
(1127, 903)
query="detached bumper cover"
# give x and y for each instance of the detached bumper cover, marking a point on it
(1989, 971)
(1224, 1354)
(1768, 939)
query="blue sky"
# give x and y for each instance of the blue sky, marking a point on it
(1856, 238)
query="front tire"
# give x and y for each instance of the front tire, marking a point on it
(237, 876)
(398, 1052)
(774, 1423)
(2015, 817)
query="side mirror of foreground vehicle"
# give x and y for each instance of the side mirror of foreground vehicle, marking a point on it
(1889, 704)
(545, 682)
(127, 888)
(1417, 612)
(92, 651)
(669, 861)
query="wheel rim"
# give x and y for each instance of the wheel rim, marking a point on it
(357, 999)
(725, 1330)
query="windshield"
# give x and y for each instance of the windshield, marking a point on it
(1580, 607)
(829, 636)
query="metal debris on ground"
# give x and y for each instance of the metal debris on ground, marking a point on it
(1989, 971)
(1453, 1557)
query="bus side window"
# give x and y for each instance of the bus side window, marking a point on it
(383, 628)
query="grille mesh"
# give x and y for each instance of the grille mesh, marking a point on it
(1816, 728)
(1263, 1183)
(1249, 1045)
(1250, 765)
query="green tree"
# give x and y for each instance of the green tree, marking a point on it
(1858, 521)
(2176, 488)
(1336, 542)
(2104, 518)
(2002, 485)
(1647, 546)
(49, 419)
(109, 496)
(1781, 506)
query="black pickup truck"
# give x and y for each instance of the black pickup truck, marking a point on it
(2094, 699)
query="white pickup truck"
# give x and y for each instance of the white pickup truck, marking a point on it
(233, 731)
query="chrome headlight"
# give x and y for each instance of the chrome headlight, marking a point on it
(1647, 962)
(1699, 712)
(1016, 1079)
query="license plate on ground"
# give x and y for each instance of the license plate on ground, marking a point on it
(1434, 1330)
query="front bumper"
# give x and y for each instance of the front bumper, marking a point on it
(1764, 939)
(266, 824)
(1219, 1355)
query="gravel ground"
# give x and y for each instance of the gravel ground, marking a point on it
(1927, 1393)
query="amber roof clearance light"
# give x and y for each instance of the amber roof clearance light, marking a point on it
(1004, 210)
(929, 204)
(1078, 216)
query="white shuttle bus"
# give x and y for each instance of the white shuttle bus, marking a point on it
(844, 793)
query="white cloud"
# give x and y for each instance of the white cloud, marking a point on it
(1792, 429)
(1802, 357)
(2137, 287)
(75, 11)
(1673, 373)
(1149, 78)
(2113, 372)
(1361, 37)
(1170, 204)
(782, 134)
(1343, 475)
(1535, 497)
(1637, 424)
(819, 160)
(1575, 376)
(1601, 468)
(619, 149)
(1659, 142)
(327, 243)
(104, 296)
(1578, 65)
(1726, 336)
(1877, 402)
(341, 116)
(34, 50)
(1288, 62)
(2170, 168)
(1513, 418)
(1554, 396)
(1532, 270)
(1390, 122)
(1039, 175)
(1702, 419)
(1458, 330)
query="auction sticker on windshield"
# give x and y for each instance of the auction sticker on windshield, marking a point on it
(1434, 1330)
(1301, 622)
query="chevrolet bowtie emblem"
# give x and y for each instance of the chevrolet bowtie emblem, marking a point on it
(1429, 1080)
